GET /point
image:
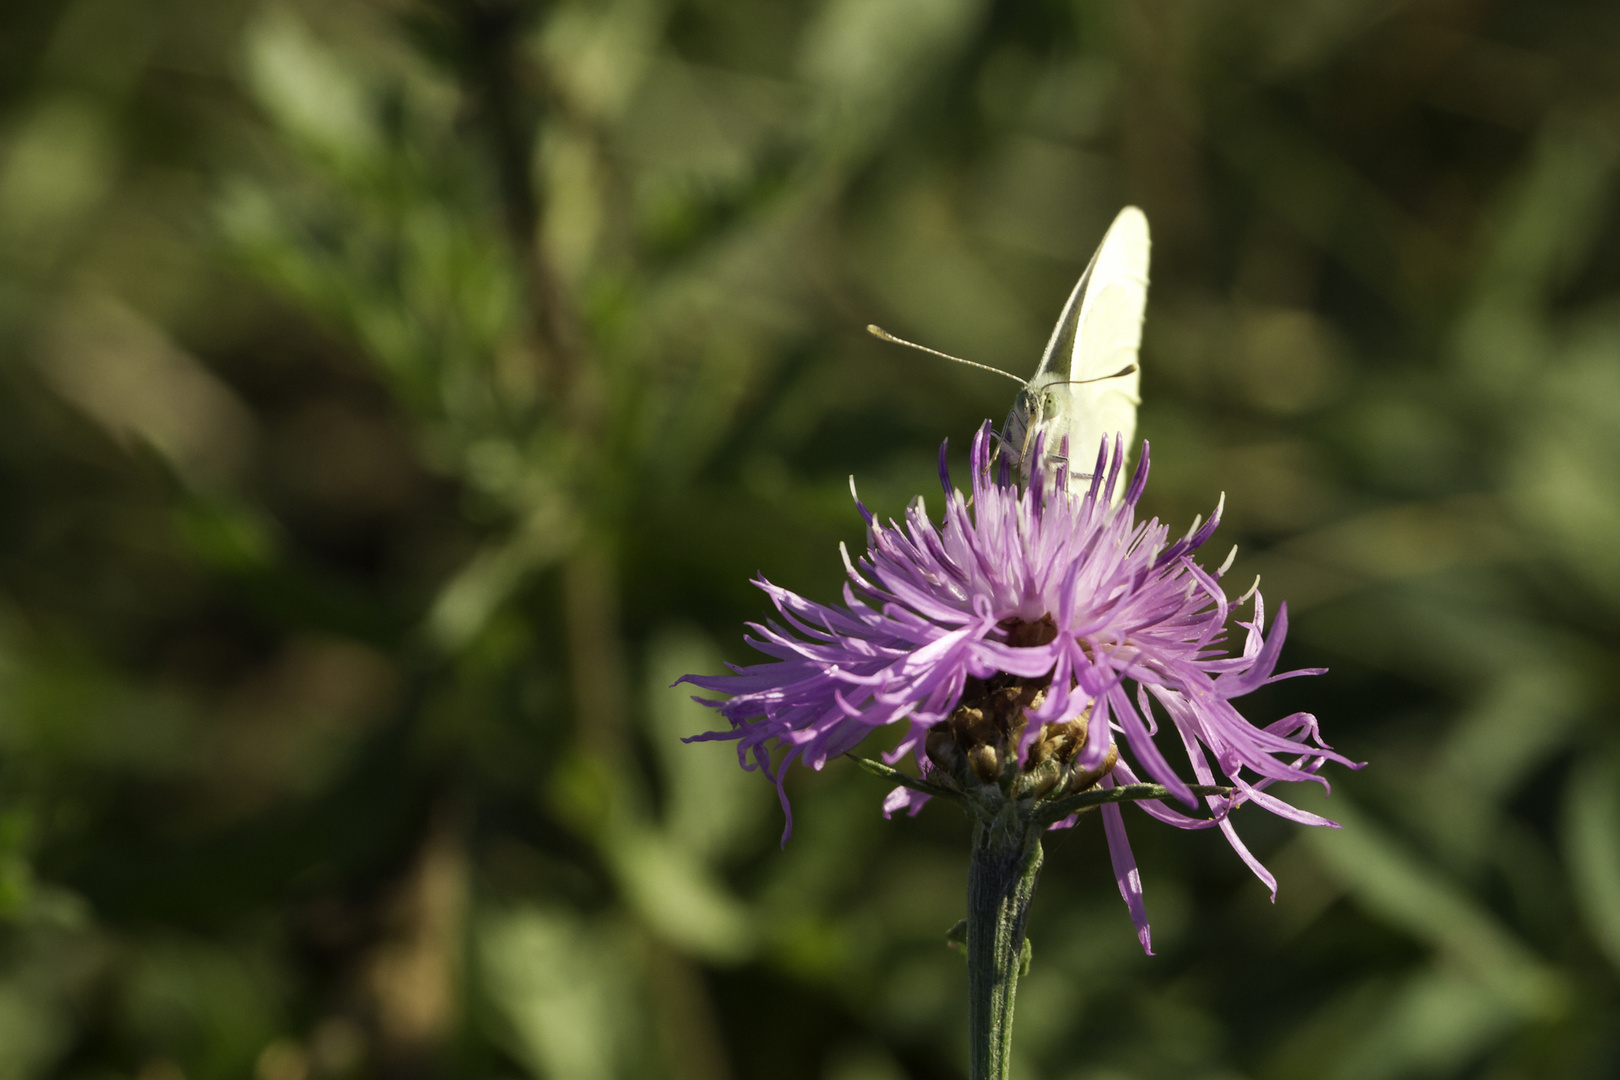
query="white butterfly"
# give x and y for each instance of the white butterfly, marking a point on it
(1096, 397)
(1097, 394)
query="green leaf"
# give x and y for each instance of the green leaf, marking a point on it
(712, 803)
(563, 986)
(678, 896)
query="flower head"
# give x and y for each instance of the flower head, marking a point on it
(1020, 641)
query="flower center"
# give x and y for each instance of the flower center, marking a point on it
(977, 745)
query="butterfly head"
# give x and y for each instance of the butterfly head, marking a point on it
(1033, 411)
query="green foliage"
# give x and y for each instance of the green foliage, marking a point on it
(395, 399)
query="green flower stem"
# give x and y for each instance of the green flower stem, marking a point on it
(1001, 882)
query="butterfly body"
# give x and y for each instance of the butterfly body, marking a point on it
(1069, 408)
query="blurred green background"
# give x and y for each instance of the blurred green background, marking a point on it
(396, 396)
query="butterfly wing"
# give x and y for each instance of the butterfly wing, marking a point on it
(1105, 375)
(1101, 329)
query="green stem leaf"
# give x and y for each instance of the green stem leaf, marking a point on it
(1057, 809)
(877, 768)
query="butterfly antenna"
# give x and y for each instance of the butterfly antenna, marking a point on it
(1120, 374)
(882, 334)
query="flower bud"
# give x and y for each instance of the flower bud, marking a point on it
(986, 763)
(1082, 780)
(942, 750)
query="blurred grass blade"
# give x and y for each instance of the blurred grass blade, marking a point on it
(1409, 892)
(1436, 1021)
(1592, 848)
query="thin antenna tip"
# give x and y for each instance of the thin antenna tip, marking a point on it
(883, 335)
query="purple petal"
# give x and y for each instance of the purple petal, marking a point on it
(904, 798)
(1126, 875)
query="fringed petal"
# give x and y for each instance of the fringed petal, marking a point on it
(928, 607)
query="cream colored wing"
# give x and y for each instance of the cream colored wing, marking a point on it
(1098, 395)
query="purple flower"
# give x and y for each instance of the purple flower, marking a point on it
(1031, 621)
